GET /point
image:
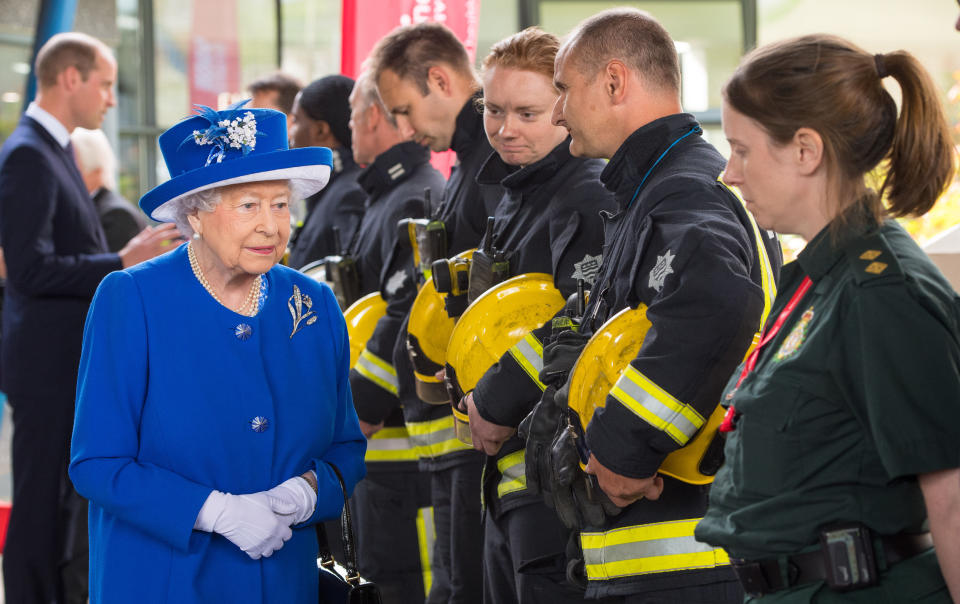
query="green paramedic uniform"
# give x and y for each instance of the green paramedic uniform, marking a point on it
(858, 393)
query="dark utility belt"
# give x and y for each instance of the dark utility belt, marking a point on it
(845, 563)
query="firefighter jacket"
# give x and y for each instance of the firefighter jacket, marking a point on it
(682, 244)
(339, 204)
(395, 184)
(465, 207)
(548, 221)
(466, 202)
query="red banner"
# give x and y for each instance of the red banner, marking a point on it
(214, 66)
(366, 21)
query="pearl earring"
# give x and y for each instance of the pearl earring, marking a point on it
(196, 235)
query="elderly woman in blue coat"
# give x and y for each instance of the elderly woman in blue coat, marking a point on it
(213, 395)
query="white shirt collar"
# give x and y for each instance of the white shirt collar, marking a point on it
(51, 124)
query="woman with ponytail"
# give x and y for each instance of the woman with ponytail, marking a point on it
(843, 427)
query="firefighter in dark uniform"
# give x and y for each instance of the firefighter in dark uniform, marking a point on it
(320, 118)
(843, 429)
(391, 505)
(424, 75)
(547, 222)
(683, 245)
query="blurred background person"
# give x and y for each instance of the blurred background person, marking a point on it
(121, 221)
(321, 118)
(275, 91)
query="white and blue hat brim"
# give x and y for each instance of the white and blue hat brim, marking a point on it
(197, 165)
(307, 170)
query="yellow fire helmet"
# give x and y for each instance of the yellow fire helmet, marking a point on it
(496, 320)
(428, 332)
(604, 358)
(361, 318)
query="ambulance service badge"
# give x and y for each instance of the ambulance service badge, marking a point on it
(793, 341)
(660, 270)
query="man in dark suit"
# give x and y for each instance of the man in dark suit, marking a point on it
(121, 221)
(56, 255)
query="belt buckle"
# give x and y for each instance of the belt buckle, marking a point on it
(751, 576)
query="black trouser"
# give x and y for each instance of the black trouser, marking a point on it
(385, 508)
(524, 558)
(457, 551)
(727, 592)
(45, 556)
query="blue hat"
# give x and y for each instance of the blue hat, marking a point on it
(220, 148)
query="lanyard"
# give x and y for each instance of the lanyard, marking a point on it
(730, 417)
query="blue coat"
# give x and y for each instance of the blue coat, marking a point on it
(165, 401)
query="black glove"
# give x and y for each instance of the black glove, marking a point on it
(455, 305)
(539, 429)
(372, 402)
(560, 355)
(577, 497)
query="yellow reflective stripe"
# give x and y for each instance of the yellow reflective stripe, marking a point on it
(528, 352)
(377, 371)
(767, 280)
(647, 548)
(426, 535)
(435, 437)
(656, 406)
(513, 473)
(390, 444)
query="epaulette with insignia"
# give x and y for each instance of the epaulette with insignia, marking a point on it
(871, 259)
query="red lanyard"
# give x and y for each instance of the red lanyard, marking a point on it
(729, 418)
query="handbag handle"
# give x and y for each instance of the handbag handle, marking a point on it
(346, 531)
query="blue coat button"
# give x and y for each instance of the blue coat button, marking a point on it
(243, 332)
(259, 423)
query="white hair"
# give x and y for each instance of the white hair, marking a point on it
(366, 94)
(94, 153)
(198, 201)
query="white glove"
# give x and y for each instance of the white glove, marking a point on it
(295, 492)
(249, 521)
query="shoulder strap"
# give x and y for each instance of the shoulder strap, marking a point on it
(346, 529)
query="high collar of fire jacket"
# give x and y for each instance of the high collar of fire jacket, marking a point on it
(497, 172)
(639, 153)
(391, 167)
(469, 127)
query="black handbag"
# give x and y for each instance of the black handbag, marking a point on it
(342, 584)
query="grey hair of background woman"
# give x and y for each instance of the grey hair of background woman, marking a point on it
(202, 201)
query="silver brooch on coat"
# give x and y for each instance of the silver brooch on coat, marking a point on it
(259, 423)
(300, 305)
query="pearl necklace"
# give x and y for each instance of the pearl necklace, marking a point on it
(250, 305)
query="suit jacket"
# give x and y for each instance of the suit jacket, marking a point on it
(56, 255)
(120, 220)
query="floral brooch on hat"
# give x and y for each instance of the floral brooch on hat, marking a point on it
(234, 131)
